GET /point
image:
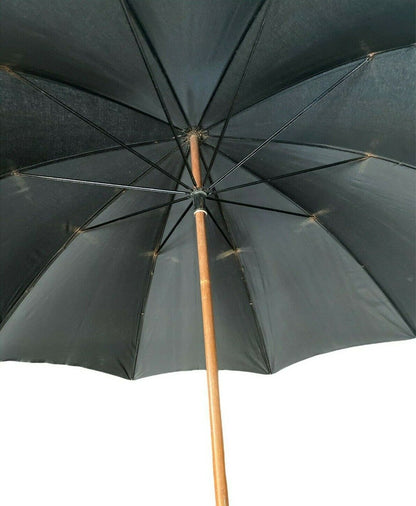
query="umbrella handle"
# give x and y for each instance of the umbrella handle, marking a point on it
(220, 480)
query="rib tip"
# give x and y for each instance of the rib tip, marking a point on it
(319, 213)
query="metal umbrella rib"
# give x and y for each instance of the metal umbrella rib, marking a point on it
(292, 120)
(73, 236)
(322, 146)
(97, 127)
(143, 211)
(335, 237)
(175, 226)
(240, 82)
(102, 184)
(132, 21)
(262, 208)
(291, 174)
(232, 56)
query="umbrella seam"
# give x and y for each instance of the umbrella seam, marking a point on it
(323, 146)
(142, 304)
(230, 60)
(261, 340)
(332, 234)
(175, 226)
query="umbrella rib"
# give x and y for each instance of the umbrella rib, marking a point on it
(232, 246)
(322, 146)
(97, 127)
(143, 211)
(142, 304)
(79, 155)
(178, 221)
(102, 184)
(53, 78)
(230, 60)
(311, 76)
(407, 320)
(404, 317)
(237, 90)
(262, 341)
(152, 49)
(227, 238)
(290, 174)
(71, 238)
(292, 120)
(262, 208)
(134, 27)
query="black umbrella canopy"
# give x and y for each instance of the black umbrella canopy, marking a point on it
(305, 113)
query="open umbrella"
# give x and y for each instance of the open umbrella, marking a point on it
(283, 130)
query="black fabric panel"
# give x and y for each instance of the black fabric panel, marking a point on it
(35, 129)
(194, 41)
(371, 207)
(310, 294)
(372, 111)
(84, 308)
(171, 335)
(38, 216)
(303, 38)
(277, 159)
(88, 44)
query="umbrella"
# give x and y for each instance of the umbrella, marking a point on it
(253, 159)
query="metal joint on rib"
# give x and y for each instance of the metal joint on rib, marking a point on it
(198, 197)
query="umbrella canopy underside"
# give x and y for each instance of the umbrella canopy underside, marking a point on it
(311, 237)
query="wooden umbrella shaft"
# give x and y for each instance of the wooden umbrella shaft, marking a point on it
(220, 481)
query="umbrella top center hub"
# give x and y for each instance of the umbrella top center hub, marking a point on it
(199, 132)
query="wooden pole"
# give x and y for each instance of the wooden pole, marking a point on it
(220, 480)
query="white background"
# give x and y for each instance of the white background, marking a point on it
(336, 430)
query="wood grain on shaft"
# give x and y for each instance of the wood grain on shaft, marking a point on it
(195, 162)
(220, 481)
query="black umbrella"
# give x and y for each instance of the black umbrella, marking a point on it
(287, 129)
